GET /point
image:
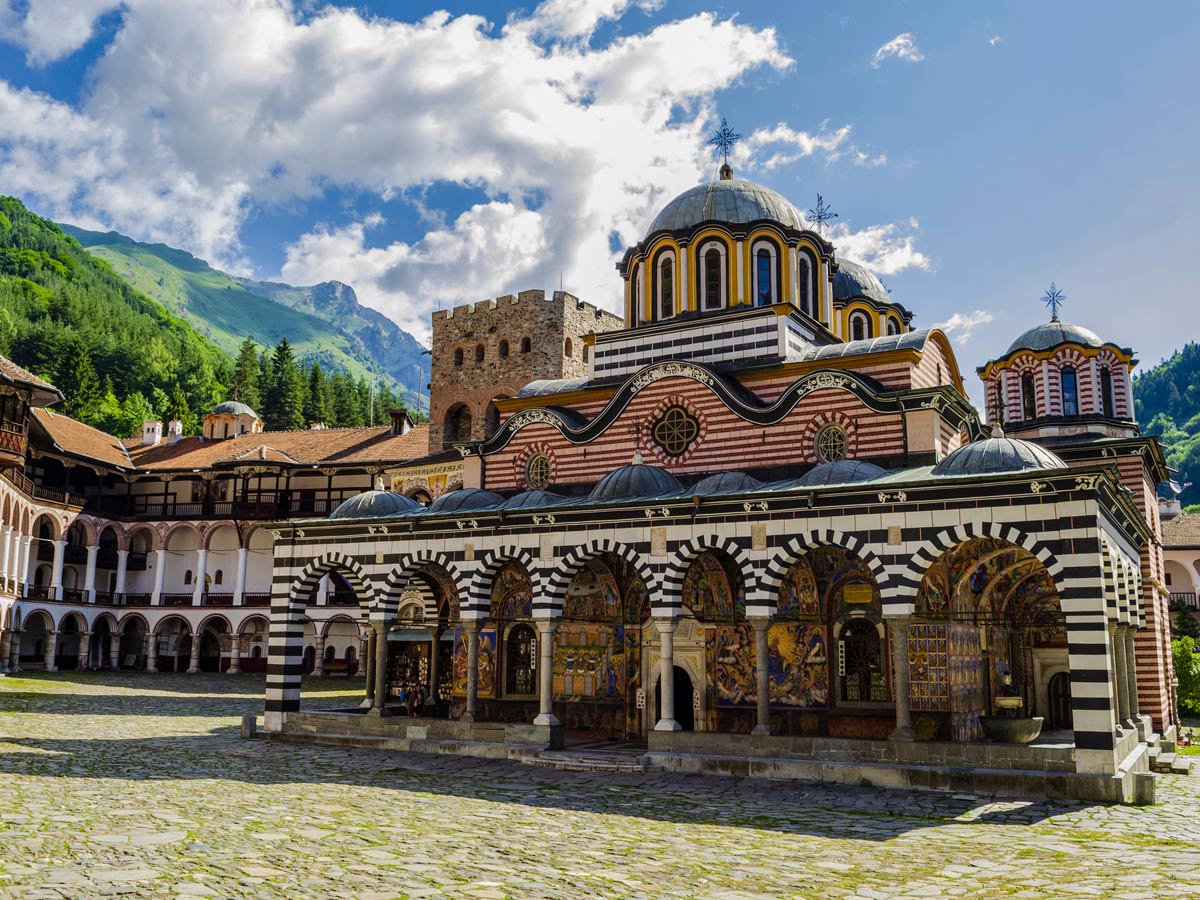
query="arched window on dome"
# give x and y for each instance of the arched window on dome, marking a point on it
(804, 283)
(766, 284)
(1107, 406)
(860, 326)
(1028, 397)
(635, 294)
(665, 285)
(712, 280)
(893, 325)
(1070, 391)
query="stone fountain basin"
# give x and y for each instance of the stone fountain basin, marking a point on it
(1004, 730)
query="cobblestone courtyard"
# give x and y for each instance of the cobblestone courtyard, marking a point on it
(140, 786)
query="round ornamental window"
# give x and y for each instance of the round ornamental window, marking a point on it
(537, 471)
(831, 443)
(676, 430)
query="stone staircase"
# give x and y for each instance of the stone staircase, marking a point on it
(1164, 759)
(592, 758)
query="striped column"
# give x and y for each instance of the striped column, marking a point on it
(1092, 663)
(285, 647)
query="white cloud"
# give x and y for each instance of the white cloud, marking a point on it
(781, 145)
(961, 325)
(884, 249)
(994, 40)
(201, 112)
(902, 46)
(49, 30)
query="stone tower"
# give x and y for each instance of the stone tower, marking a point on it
(490, 350)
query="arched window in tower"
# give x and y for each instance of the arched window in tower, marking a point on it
(479, 353)
(893, 325)
(520, 651)
(458, 356)
(860, 326)
(568, 348)
(804, 283)
(712, 284)
(526, 345)
(504, 349)
(457, 425)
(1107, 407)
(666, 287)
(1070, 391)
(1028, 397)
(766, 288)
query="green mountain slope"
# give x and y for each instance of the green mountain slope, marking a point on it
(324, 322)
(1167, 398)
(118, 355)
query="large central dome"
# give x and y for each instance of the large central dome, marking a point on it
(732, 201)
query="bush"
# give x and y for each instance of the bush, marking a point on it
(1187, 671)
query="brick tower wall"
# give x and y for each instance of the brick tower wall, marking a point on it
(548, 324)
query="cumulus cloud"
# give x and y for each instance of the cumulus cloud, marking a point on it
(781, 145)
(902, 46)
(48, 30)
(884, 249)
(994, 40)
(202, 112)
(960, 326)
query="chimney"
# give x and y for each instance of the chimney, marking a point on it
(317, 426)
(174, 431)
(402, 422)
(152, 433)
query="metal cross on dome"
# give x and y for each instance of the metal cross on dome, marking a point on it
(723, 140)
(822, 214)
(1054, 298)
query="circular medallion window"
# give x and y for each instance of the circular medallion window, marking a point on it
(831, 443)
(537, 471)
(676, 430)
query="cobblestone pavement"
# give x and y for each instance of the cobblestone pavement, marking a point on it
(139, 786)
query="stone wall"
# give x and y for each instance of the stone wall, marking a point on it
(490, 335)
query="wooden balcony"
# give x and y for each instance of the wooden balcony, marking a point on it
(13, 437)
(1189, 600)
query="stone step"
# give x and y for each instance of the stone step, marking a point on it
(1181, 765)
(579, 763)
(1161, 762)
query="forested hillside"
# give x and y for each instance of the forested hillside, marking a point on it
(324, 322)
(119, 357)
(1168, 405)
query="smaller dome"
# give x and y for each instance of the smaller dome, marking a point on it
(464, 499)
(533, 500)
(1051, 334)
(234, 407)
(375, 505)
(993, 455)
(636, 480)
(855, 280)
(840, 471)
(725, 483)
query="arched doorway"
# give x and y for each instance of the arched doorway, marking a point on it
(1059, 711)
(685, 698)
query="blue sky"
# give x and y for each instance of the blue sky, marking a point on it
(432, 159)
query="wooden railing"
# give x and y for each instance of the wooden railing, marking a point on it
(175, 599)
(1189, 600)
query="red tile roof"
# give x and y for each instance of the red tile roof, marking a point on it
(71, 436)
(1181, 531)
(44, 392)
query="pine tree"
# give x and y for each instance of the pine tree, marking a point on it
(315, 409)
(265, 380)
(244, 386)
(177, 408)
(284, 407)
(80, 384)
(346, 413)
(136, 411)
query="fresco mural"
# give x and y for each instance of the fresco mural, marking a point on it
(486, 688)
(512, 594)
(797, 666)
(707, 591)
(798, 593)
(589, 662)
(966, 682)
(928, 668)
(592, 595)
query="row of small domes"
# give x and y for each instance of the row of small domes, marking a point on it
(637, 481)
